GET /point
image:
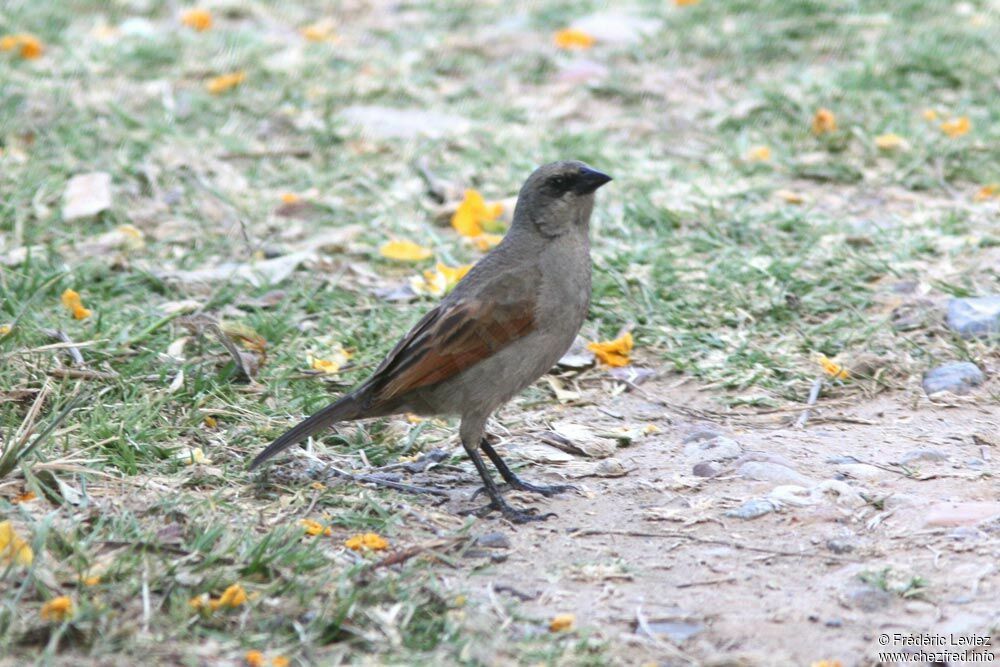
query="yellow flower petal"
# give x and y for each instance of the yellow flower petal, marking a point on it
(280, 661)
(232, 597)
(92, 580)
(790, 196)
(824, 121)
(759, 154)
(438, 281)
(473, 213)
(562, 623)
(332, 361)
(25, 497)
(613, 352)
(889, 142)
(28, 46)
(956, 127)
(827, 663)
(57, 609)
(314, 528)
(929, 115)
(14, 549)
(686, 3)
(321, 31)
(404, 251)
(220, 84)
(73, 303)
(4, 329)
(254, 658)
(290, 198)
(571, 38)
(831, 368)
(986, 192)
(367, 542)
(197, 19)
(486, 241)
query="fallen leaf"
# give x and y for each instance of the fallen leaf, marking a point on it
(580, 439)
(404, 251)
(86, 195)
(268, 271)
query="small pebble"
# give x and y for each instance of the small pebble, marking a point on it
(706, 469)
(958, 378)
(763, 471)
(922, 455)
(493, 541)
(752, 509)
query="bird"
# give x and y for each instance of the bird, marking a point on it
(503, 326)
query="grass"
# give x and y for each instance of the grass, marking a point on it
(721, 279)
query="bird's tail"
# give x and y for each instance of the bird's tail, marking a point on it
(348, 407)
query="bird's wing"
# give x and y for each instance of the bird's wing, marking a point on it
(451, 338)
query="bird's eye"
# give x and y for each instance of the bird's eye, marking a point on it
(560, 182)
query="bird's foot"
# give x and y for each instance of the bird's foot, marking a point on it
(512, 514)
(519, 485)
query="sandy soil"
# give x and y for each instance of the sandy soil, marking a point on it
(652, 563)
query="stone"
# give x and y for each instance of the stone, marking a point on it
(493, 541)
(958, 377)
(840, 546)
(718, 448)
(86, 195)
(915, 455)
(762, 471)
(977, 317)
(706, 469)
(868, 598)
(961, 514)
(754, 508)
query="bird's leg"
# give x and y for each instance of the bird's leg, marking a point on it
(516, 482)
(496, 500)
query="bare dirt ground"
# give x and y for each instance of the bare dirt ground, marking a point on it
(905, 540)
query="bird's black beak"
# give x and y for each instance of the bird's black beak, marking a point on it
(589, 180)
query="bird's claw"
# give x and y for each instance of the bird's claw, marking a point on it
(512, 514)
(547, 491)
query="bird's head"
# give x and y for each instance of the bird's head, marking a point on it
(558, 197)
